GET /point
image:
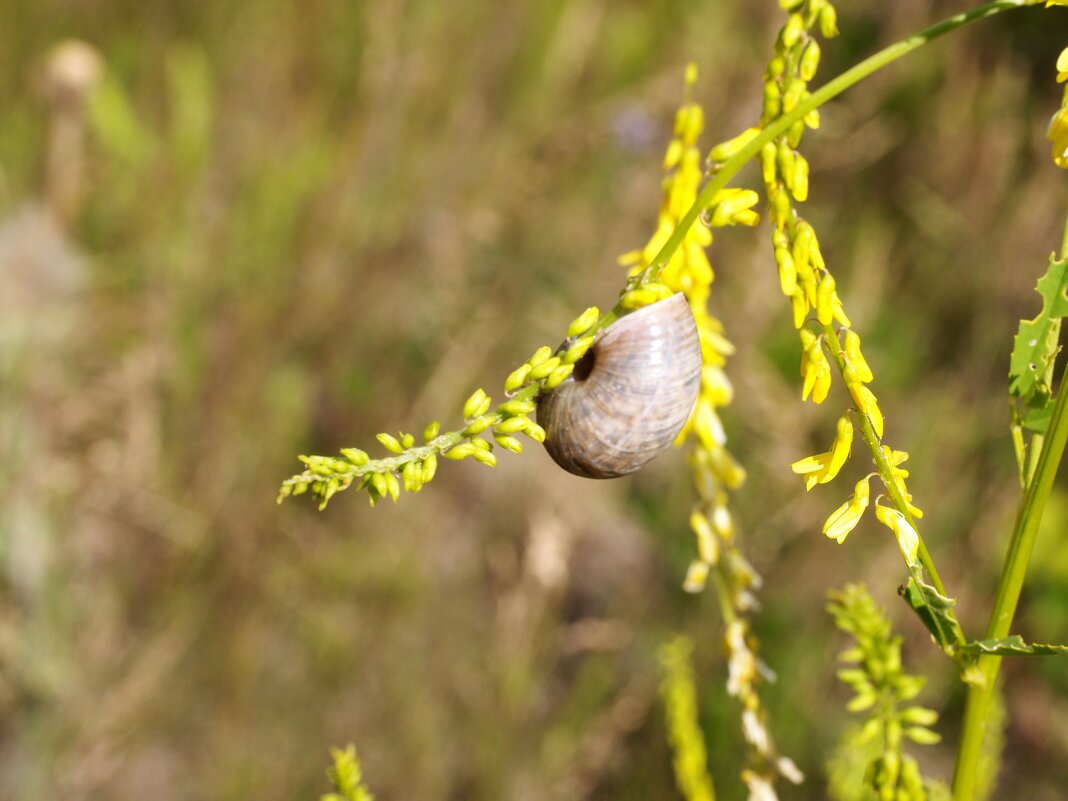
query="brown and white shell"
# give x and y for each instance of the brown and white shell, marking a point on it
(629, 396)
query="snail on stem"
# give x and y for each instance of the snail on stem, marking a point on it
(629, 396)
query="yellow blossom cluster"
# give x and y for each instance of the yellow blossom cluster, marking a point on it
(715, 470)
(818, 312)
(689, 271)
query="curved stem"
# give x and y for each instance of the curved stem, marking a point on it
(828, 91)
(1010, 585)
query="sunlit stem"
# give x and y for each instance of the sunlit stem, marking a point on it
(977, 709)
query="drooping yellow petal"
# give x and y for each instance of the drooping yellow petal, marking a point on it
(908, 540)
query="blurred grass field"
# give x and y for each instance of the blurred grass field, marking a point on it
(302, 224)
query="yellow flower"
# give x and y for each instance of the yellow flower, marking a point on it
(866, 403)
(907, 538)
(853, 355)
(815, 368)
(1058, 135)
(1062, 66)
(845, 517)
(823, 467)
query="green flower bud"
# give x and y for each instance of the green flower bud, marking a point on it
(829, 22)
(508, 442)
(356, 456)
(458, 452)
(413, 477)
(578, 349)
(558, 376)
(431, 431)
(429, 468)
(810, 60)
(392, 486)
(535, 432)
(378, 481)
(476, 405)
(514, 424)
(516, 407)
(544, 368)
(582, 323)
(407, 440)
(540, 355)
(480, 424)
(517, 377)
(390, 442)
(485, 457)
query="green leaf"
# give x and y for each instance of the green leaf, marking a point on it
(1034, 346)
(936, 612)
(1012, 645)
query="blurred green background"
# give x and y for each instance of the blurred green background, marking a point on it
(288, 226)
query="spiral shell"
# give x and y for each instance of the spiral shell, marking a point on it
(629, 396)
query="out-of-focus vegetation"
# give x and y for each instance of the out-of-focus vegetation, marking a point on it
(303, 223)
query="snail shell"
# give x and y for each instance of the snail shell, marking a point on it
(629, 396)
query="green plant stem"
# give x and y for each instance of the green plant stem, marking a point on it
(980, 695)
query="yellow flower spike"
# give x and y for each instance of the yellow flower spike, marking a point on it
(907, 538)
(845, 518)
(867, 404)
(853, 354)
(825, 299)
